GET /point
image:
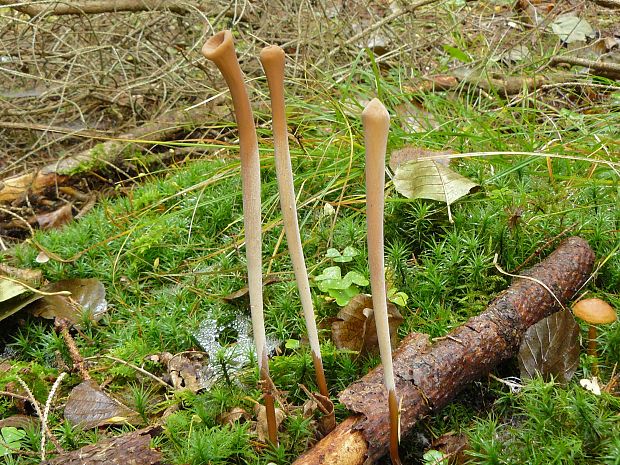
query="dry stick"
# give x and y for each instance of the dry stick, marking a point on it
(110, 151)
(100, 6)
(62, 325)
(272, 59)
(376, 121)
(428, 376)
(221, 50)
(602, 68)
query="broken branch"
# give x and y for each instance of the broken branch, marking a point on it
(430, 375)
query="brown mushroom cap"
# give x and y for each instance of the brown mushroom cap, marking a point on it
(595, 311)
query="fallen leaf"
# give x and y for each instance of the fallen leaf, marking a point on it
(56, 218)
(86, 302)
(187, 370)
(19, 421)
(398, 157)
(236, 415)
(14, 293)
(453, 446)
(431, 180)
(551, 348)
(88, 406)
(355, 328)
(415, 118)
(570, 28)
(132, 448)
(262, 432)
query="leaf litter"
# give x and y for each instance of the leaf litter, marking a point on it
(550, 348)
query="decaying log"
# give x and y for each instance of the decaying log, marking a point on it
(107, 152)
(430, 375)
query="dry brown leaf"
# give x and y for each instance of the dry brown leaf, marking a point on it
(56, 218)
(88, 406)
(187, 370)
(128, 449)
(398, 157)
(355, 328)
(20, 421)
(235, 415)
(453, 446)
(262, 431)
(87, 301)
(551, 348)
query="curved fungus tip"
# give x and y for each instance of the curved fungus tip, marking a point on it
(375, 110)
(272, 53)
(595, 311)
(217, 44)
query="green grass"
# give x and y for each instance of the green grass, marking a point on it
(168, 252)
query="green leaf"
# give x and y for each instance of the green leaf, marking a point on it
(292, 344)
(332, 272)
(457, 53)
(398, 298)
(332, 253)
(434, 457)
(11, 439)
(343, 296)
(355, 277)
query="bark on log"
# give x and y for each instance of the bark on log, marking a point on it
(430, 375)
(129, 449)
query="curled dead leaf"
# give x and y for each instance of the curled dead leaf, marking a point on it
(87, 301)
(550, 348)
(355, 327)
(235, 415)
(262, 431)
(56, 218)
(187, 370)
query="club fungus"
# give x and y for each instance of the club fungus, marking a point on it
(376, 121)
(594, 312)
(221, 50)
(272, 59)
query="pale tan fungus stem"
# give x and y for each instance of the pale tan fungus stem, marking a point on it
(376, 121)
(272, 59)
(221, 50)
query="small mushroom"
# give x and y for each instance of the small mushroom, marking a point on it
(594, 312)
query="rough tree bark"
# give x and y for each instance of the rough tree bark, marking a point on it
(430, 375)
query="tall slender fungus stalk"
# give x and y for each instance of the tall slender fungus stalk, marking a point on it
(221, 50)
(272, 59)
(376, 121)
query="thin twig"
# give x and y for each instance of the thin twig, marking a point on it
(130, 365)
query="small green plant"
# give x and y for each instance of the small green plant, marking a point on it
(340, 288)
(11, 440)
